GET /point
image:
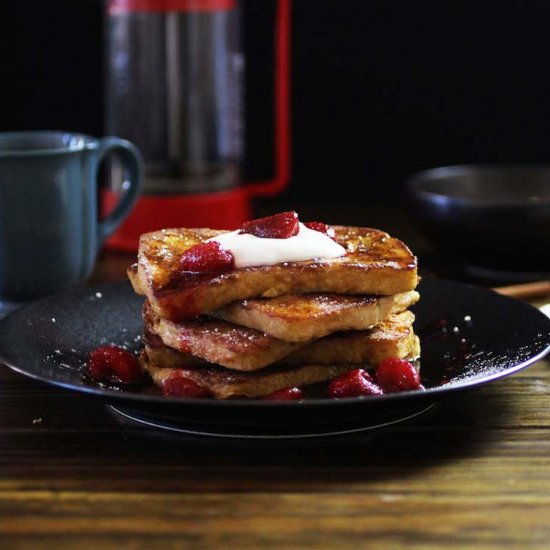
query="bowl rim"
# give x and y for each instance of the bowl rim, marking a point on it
(414, 182)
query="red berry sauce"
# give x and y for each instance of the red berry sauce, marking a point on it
(321, 228)
(113, 364)
(287, 394)
(179, 386)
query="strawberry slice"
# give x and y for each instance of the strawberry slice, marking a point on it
(113, 364)
(396, 375)
(278, 226)
(353, 383)
(208, 257)
(322, 228)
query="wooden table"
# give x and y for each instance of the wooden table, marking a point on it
(473, 473)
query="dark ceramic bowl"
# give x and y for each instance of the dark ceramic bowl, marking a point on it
(491, 216)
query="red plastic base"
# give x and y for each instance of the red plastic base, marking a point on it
(221, 210)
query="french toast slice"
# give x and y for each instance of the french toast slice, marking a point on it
(219, 342)
(299, 318)
(391, 338)
(225, 383)
(375, 263)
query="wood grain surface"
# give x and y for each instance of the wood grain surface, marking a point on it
(474, 472)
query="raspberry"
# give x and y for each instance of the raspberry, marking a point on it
(113, 364)
(207, 257)
(353, 384)
(178, 386)
(322, 228)
(395, 375)
(278, 226)
(287, 394)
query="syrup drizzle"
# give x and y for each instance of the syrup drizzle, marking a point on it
(446, 350)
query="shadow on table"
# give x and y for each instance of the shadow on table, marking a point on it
(103, 451)
(462, 426)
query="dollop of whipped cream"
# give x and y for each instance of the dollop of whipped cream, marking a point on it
(249, 250)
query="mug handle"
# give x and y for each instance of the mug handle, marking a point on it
(132, 162)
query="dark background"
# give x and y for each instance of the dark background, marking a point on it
(380, 88)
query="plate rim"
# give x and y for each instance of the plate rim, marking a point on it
(161, 424)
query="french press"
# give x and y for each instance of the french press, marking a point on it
(175, 89)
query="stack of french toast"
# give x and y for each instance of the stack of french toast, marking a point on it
(238, 320)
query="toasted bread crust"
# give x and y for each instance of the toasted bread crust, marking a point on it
(391, 338)
(375, 263)
(219, 342)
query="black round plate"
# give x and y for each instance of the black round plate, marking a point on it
(469, 336)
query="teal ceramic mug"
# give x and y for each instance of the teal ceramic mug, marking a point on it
(50, 233)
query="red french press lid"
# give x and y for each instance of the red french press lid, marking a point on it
(221, 210)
